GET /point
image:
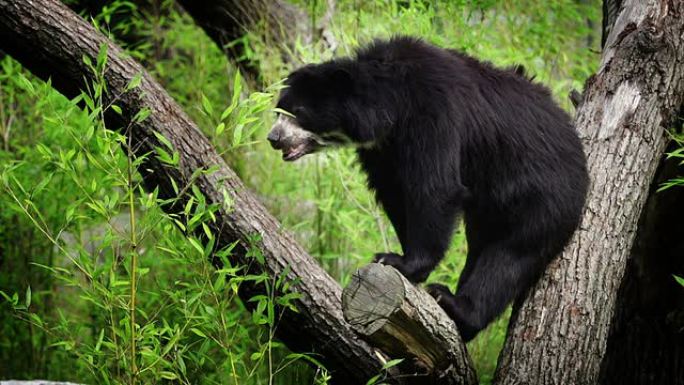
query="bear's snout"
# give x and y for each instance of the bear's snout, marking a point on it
(295, 142)
(274, 138)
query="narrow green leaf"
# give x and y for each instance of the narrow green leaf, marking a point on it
(26, 84)
(237, 134)
(168, 375)
(374, 379)
(163, 140)
(142, 115)
(102, 56)
(237, 89)
(220, 128)
(87, 61)
(392, 363)
(281, 111)
(195, 243)
(135, 82)
(679, 279)
(98, 345)
(28, 297)
(206, 104)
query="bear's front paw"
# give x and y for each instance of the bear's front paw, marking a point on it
(392, 259)
(402, 264)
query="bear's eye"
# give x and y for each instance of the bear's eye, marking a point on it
(298, 110)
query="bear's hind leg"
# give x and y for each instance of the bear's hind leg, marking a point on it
(498, 276)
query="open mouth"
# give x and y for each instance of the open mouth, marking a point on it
(295, 153)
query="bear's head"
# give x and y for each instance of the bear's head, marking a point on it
(315, 110)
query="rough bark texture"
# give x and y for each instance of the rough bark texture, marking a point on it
(51, 41)
(559, 333)
(646, 341)
(611, 10)
(226, 21)
(406, 322)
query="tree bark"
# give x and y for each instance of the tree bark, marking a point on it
(227, 21)
(406, 322)
(559, 332)
(611, 10)
(646, 340)
(51, 41)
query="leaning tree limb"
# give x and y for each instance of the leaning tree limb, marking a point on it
(558, 335)
(51, 41)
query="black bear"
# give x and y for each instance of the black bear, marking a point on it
(440, 133)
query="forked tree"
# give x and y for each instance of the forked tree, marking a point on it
(559, 334)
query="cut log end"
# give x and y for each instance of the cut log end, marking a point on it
(405, 322)
(373, 295)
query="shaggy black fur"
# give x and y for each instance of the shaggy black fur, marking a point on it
(444, 133)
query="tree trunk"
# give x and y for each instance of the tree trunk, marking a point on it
(646, 340)
(611, 10)
(558, 334)
(51, 41)
(227, 21)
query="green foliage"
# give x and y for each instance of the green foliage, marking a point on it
(80, 239)
(677, 154)
(138, 300)
(679, 280)
(383, 375)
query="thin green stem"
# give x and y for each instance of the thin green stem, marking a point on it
(134, 254)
